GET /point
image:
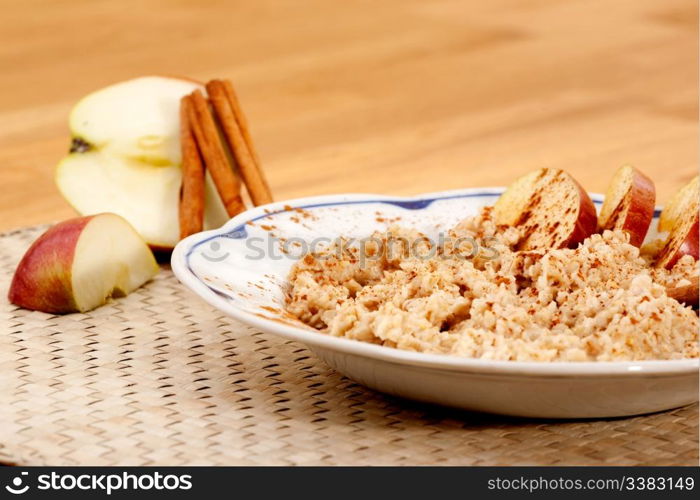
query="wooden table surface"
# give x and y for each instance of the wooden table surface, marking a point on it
(399, 96)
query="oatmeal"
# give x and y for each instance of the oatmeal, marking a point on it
(475, 296)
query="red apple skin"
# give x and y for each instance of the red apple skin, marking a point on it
(587, 222)
(42, 280)
(689, 246)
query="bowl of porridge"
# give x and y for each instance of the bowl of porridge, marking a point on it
(431, 298)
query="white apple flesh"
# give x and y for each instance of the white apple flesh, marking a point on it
(137, 119)
(145, 195)
(78, 264)
(127, 159)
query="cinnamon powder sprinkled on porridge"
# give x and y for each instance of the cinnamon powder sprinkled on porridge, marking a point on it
(601, 301)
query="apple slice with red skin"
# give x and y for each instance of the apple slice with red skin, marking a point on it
(629, 204)
(681, 217)
(682, 240)
(551, 209)
(682, 221)
(678, 204)
(80, 263)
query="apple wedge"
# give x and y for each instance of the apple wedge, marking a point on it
(125, 158)
(629, 204)
(682, 240)
(675, 207)
(682, 220)
(78, 264)
(551, 209)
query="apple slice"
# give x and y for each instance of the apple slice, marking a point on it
(125, 158)
(78, 264)
(674, 209)
(682, 240)
(629, 204)
(682, 221)
(551, 209)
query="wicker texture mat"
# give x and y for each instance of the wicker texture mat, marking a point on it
(161, 378)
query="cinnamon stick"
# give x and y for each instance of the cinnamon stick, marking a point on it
(191, 210)
(214, 154)
(235, 128)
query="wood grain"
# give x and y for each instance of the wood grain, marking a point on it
(394, 97)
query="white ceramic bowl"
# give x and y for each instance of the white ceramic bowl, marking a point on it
(233, 269)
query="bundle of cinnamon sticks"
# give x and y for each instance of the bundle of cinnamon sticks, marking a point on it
(215, 136)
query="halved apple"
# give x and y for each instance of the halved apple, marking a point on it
(80, 263)
(125, 158)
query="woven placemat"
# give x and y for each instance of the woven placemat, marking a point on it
(161, 378)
